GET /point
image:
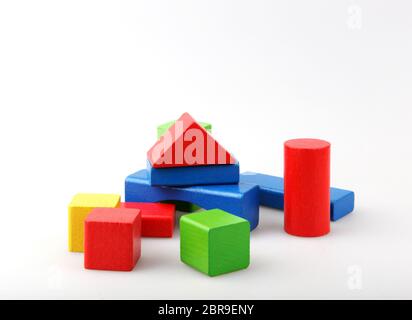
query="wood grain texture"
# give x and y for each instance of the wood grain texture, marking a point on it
(271, 194)
(194, 175)
(212, 152)
(161, 130)
(80, 206)
(215, 242)
(307, 187)
(158, 219)
(112, 239)
(240, 199)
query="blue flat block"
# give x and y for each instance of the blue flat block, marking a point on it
(270, 188)
(271, 194)
(342, 202)
(193, 176)
(241, 199)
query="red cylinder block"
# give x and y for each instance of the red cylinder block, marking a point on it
(307, 187)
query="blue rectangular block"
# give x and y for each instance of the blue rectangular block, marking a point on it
(240, 199)
(270, 188)
(193, 176)
(342, 202)
(271, 193)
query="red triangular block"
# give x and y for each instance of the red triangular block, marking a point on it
(187, 143)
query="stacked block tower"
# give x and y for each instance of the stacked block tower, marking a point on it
(187, 155)
(189, 171)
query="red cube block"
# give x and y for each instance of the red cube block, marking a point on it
(158, 219)
(112, 239)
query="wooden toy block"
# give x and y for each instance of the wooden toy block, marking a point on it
(162, 129)
(181, 205)
(112, 239)
(271, 193)
(307, 187)
(186, 143)
(342, 202)
(193, 176)
(214, 242)
(241, 199)
(81, 205)
(270, 188)
(158, 219)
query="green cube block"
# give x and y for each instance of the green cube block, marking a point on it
(161, 130)
(215, 242)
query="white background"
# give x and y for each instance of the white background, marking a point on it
(83, 85)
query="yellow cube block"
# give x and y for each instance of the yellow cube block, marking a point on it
(82, 204)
